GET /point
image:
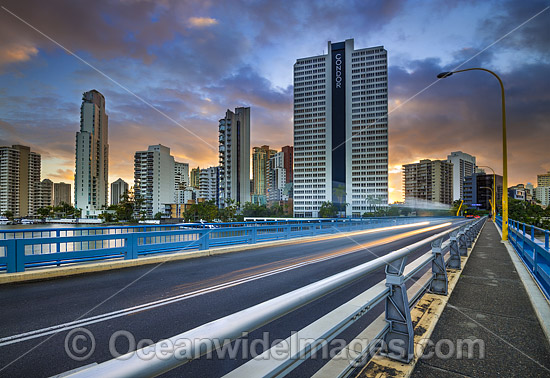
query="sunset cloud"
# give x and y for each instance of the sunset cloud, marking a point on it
(202, 22)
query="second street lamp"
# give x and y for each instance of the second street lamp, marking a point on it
(494, 189)
(492, 200)
(444, 75)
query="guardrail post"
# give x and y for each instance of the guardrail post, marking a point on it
(546, 240)
(454, 260)
(19, 255)
(287, 232)
(462, 246)
(131, 241)
(439, 272)
(11, 255)
(253, 235)
(205, 240)
(398, 341)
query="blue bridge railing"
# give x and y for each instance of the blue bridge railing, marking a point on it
(32, 248)
(532, 246)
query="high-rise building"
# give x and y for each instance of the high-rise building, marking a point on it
(277, 178)
(234, 149)
(542, 195)
(209, 184)
(9, 180)
(194, 177)
(181, 175)
(463, 166)
(260, 162)
(341, 129)
(288, 156)
(154, 179)
(543, 179)
(476, 193)
(61, 193)
(118, 188)
(45, 194)
(428, 180)
(91, 178)
(19, 180)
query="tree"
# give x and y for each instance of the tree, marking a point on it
(328, 210)
(229, 212)
(8, 214)
(44, 212)
(206, 211)
(159, 215)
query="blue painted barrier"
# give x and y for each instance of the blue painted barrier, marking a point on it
(534, 252)
(22, 249)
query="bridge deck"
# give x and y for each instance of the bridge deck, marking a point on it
(489, 303)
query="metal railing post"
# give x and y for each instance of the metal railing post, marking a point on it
(547, 240)
(399, 340)
(131, 241)
(204, 236)
(454, 260)
(439, 272)
(11, 254)
(253, 235)
(462, 244)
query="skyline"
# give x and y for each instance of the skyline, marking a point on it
(193, 63)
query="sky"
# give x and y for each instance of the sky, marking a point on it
(170, 69)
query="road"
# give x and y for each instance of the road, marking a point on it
(154, 302)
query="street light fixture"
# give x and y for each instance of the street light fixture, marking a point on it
(494, 189)
(444, 75)
(492, 201)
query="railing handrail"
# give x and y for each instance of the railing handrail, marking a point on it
(233, 326)
(526, 224)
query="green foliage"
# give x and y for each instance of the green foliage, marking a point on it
(207, 211)
(229, 212)
(158, 216)
(529, 213)
(8, 214)
(328, 210)
(107, 217)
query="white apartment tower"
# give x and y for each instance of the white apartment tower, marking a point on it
(463, 166)
(154, 179)
(91, 178)
(209, 184)
(181, 175)
(234, 149)
(341, 130)
(277, 178)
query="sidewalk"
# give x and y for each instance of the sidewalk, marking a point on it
(489, 303)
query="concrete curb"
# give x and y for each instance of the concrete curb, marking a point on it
(84, 268)
(425, 316)
(536, 297)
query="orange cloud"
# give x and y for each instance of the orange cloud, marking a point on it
(17, 53)
(202, 22)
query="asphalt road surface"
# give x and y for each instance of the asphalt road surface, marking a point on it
(47, 326)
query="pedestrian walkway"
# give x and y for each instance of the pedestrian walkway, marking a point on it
(489, 306)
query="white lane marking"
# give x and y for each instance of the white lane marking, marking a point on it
(162, 302)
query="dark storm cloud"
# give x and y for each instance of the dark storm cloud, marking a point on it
(507, 15)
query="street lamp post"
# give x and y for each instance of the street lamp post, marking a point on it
(444, 75)
(492, 201)
(494, 189)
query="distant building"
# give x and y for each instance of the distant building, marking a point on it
(463, 166)
(154, 179)
(476, 193)
(45, 194)
(91, 178)
(183, 196)
(280, 176)
(19, 180)
(341, 129)
(194, 177)
(234, 154)
(543, 179)
(260, 164)
(181, 175)
(118, 188)
(542, 195)
(428, 180)
(209, 185)
(61, 193)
